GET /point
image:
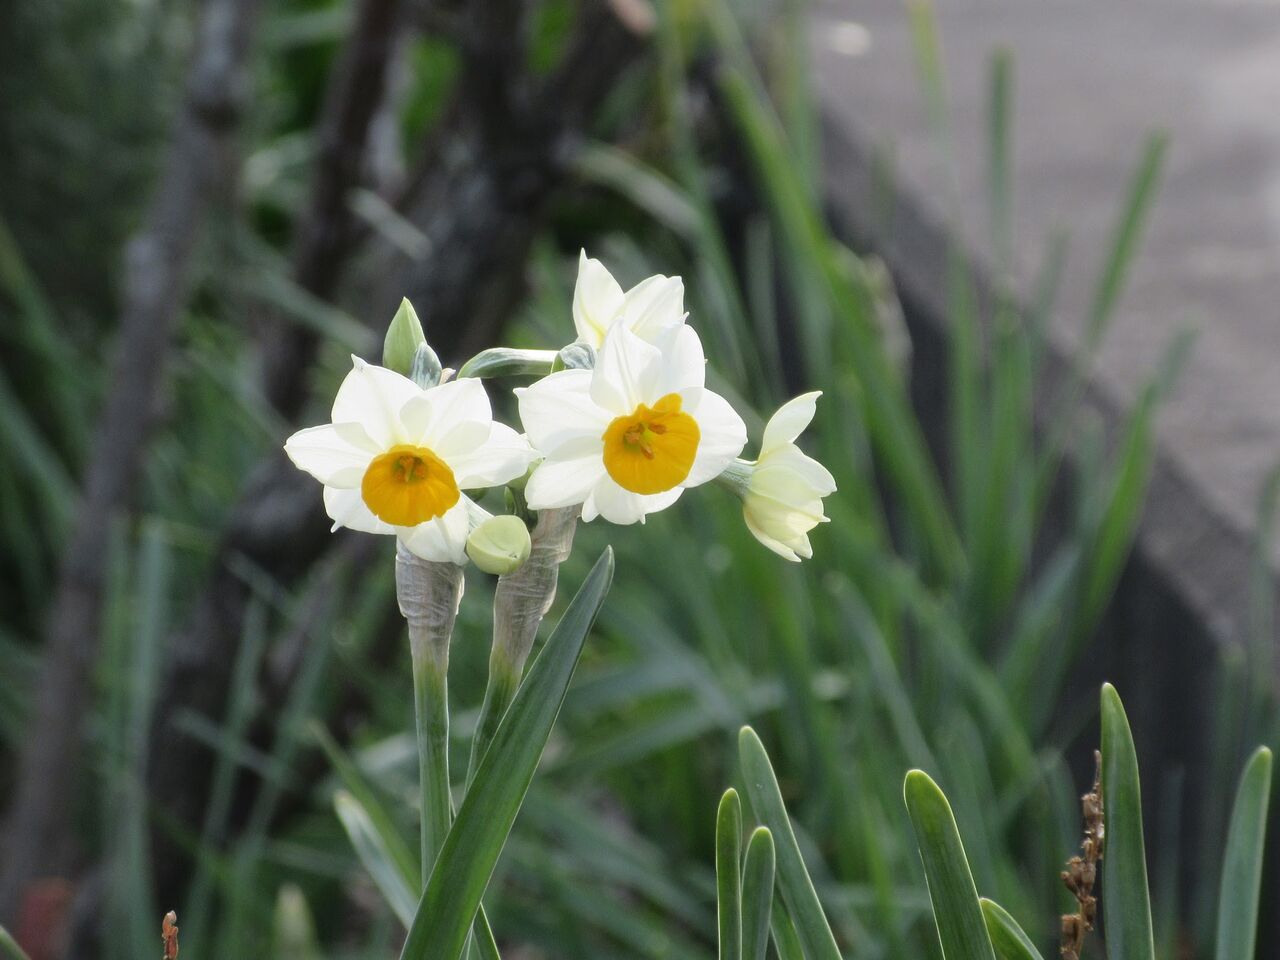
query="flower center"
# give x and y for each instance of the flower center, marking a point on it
(408, 485)
(652, 448)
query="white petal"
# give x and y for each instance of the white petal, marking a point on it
(684, 366)
(444, 539)
(347, 509)
(654, 305)
(562, 483)
(597, 300)
(789, 422)
(777, 546)
(613, 503)
(452, 416)
(372, 397)
(504, 456)
(558, 410)
(334, 453)
(789, 466)
(723, 435)
(628, 372)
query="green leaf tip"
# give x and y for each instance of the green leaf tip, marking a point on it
(1007, 937)
(793, 880)
(729, 875)
(1126, 897)
(962, 928)
(1241, 881)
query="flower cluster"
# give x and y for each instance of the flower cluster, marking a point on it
(622, 435)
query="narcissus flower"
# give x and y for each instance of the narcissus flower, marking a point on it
(782, 500)
(396, 458)
(626, 438)
(649, 309)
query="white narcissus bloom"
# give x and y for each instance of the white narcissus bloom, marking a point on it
(396, 458)
(783, 498)
(650, 309)
(626, 438)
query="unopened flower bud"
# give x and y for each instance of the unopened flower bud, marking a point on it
(500, 545)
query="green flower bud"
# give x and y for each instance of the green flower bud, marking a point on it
(402, 340)
(500, 545)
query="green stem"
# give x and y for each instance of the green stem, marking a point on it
(431, 703)
(504, 680)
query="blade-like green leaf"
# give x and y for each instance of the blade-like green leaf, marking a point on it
(795, 886)
(371, 847)
(757, 894)
(786, 941)
(366, 799)
(1008, 939)
(1242, 868)
(9, 947)
(462, 871)
(961, 927)
(1126, 901)
(728, 875)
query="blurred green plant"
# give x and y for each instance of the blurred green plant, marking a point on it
(939, 632)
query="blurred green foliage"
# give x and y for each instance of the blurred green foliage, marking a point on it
(937, 628)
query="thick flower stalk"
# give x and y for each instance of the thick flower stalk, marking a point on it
(429, 593)
(520, 601)
(628, 437)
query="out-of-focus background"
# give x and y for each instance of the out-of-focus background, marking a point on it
(1029, 253)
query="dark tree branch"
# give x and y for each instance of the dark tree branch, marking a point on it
(324, 233)
(200, 164)
(480, 209)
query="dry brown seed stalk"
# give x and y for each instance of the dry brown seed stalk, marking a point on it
(169, 934)
(1082, 871)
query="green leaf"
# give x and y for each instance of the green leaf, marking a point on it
(956, 911)
(396, 886)
(757, 894)
(728, 877)
(1008, 939)
(507, 362)
(1242, 868)
(9, 947)
(797, 889)
(470, 852)
(1126, 901)
(403, 338)
(786, 941)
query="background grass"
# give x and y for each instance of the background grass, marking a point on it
(938, 627)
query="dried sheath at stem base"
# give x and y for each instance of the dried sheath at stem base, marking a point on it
(523, 598)
(429, 594)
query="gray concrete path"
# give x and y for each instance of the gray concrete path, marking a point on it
(1092, 78)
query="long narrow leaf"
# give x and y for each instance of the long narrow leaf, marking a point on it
(956, 911)
(1242, 868)
(786, 941)
(757, 894)
(1008, 939)
(9, 947)
(470, 852)
(728, 875)
(793, 879)
(377, 856)
(1126, 900)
